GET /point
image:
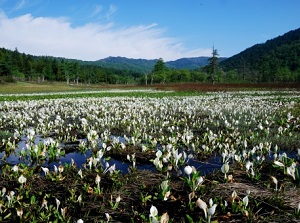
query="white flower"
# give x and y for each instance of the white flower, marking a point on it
(98, 179)
(15, 168)
(80, 173)
(164, 185)
(164, 218)
(248, 165)
(3, 191)
(208, 212)
(118, 199)
(63, 212)
(108, 217)
(279, 163)
(45, 170)
(22, 179)
(275, 181)
(188, 170)
(225, 169)
(291, 170)
(36, 149)
(158, 163)
(233, 195)
(55, 169)
(57, 203)
(153, 212)
(79, 199)
(19, 212)
(158, 154)
(73, 162)
(201, 204)
(211, 210)
(167, 194)
(246, 201)
(44, 204)
(80, 221)
(112, 168)
(61, 168)
(199, 182)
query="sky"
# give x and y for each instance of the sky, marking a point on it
(148, 29)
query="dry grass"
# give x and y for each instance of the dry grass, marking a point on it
(33, 87)
(203, 87)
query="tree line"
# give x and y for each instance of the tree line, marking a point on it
(276, 61)
(16, 66)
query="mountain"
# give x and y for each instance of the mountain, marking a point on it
(188, 63)
(145, 66)
(275, 60)
(123, 63)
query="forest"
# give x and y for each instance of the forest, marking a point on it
(275, 61)
(16, 66)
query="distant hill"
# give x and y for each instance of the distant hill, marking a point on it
(145, 66)
(188, 63)
(275, 60)
(123, 63)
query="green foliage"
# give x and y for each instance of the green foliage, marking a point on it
(158, 74)
(276, 60)
(16, 66)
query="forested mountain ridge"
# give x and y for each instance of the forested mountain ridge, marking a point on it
(146, 66)
(137, 65)
(276, 60)
(16, 66)
(188, 63)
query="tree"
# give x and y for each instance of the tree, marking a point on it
(76, 71)
(4, 69)
(158, 73)
(213, 64)
(17, 60)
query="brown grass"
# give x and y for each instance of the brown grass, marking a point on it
(225, 87)
(33, 87)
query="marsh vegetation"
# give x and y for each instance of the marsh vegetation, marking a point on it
(188, 157)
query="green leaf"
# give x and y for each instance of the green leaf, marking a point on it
(7, 216)
(189, 218)
(32, 199)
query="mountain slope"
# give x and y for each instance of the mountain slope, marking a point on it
(271, 61)
(145, 66)
(188, 63)
(137, 65)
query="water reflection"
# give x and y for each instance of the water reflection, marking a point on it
(72, 153)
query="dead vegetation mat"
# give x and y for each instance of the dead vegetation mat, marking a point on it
(265, 204)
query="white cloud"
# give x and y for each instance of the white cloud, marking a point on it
(112, 10)
(20, 4)
(97, 10)
(56, 37)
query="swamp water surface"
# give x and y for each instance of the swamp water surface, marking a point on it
(72, 153)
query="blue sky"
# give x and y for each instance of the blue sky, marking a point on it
(168, 29)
